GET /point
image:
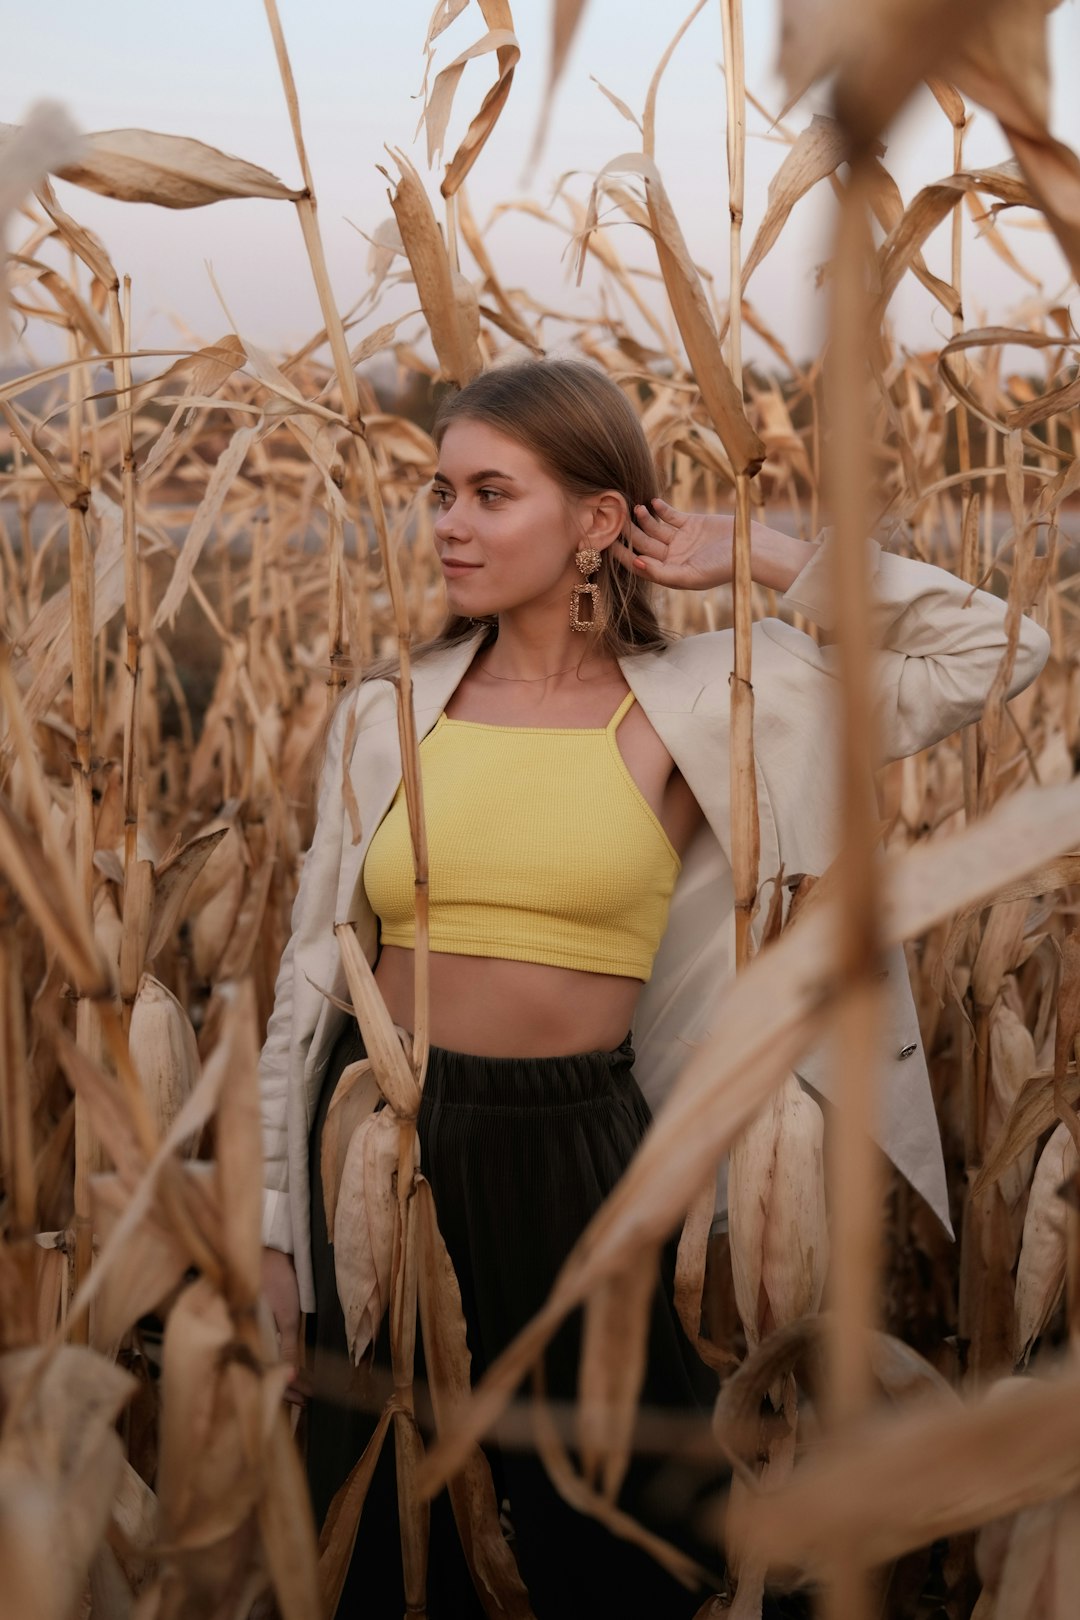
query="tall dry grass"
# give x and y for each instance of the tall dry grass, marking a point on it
(150, 847)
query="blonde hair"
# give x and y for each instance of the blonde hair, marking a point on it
(583, 429)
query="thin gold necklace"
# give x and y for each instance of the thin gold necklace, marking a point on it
(528, 680)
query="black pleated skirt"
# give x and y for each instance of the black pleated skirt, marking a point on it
(520, 1153)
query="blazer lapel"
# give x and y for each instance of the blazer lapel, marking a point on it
(436, 678)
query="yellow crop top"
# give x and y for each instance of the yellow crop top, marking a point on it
(541, 848)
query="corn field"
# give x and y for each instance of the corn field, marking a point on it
(199, 550)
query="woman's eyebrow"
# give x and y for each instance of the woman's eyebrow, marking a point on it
(477, 477)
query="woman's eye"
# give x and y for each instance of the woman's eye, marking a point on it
(444, 498)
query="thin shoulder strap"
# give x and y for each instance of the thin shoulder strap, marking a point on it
(623, 709)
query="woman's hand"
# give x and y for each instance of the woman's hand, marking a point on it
(694, 551)
(282, 1294)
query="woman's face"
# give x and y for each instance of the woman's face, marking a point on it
(505, 531)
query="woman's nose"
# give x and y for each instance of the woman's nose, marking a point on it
(449, 521)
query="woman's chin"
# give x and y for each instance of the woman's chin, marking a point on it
(465, 603)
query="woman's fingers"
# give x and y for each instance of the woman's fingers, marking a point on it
(289, 1330)
(650, 545)
(649, 567)
(670, 515)
(651, 523)
(299, 1387)
(674, 575)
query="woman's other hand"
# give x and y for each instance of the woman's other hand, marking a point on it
(694, 551)
(282, 1294)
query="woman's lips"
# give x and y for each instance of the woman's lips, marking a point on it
(449, 566)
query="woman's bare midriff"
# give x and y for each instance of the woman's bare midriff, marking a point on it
(492, 1008)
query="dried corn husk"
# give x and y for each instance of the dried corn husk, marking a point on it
(213, 903)
(108, 929)
(173, 878)
(364, 1215)
(934, 1469)
(164, 1050)
(999, 949)
(140, 165)
(214, 1422)
(355, 1097)
(151, 1264)
(447, 299)
(1030, 1565)
(776, 1209)
(1012, 1062)
(61, 1463)
(1040, 1275)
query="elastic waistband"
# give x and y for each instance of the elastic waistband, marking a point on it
(460, 1079)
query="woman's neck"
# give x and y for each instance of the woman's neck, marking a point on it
(531, 648)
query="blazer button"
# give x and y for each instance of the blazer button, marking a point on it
(907, 1051)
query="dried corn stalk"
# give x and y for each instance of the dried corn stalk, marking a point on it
(255, 482)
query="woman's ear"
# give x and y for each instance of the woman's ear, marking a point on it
(604, 519)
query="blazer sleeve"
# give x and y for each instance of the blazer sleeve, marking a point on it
(314, 905)
(941, 644)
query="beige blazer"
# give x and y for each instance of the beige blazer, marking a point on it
(941, 645)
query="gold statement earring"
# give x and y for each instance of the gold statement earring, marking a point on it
(588, 561)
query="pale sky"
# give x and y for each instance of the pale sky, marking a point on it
(206, 69)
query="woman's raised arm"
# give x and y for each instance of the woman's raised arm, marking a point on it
(941, 641)
(941, 644)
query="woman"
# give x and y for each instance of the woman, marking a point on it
(575, 769)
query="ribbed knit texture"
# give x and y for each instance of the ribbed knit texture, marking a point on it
(541, 848)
